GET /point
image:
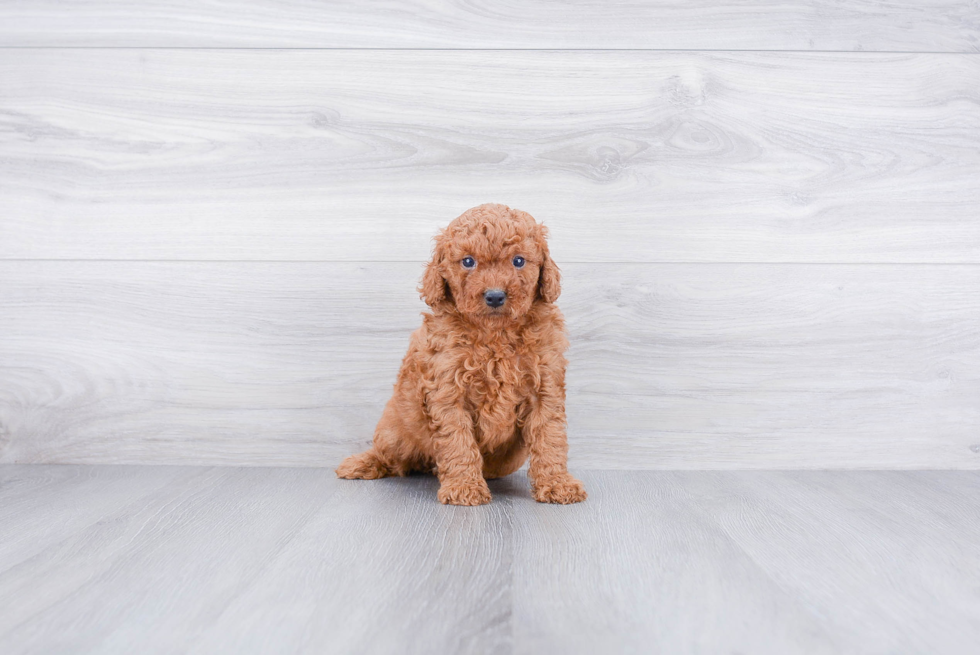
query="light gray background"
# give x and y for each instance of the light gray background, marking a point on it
(213, 219)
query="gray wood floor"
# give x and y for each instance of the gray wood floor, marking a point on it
(205, 560)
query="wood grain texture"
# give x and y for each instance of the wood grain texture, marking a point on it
(395, 572)
(294, 560)
(760, 562)
(672, 366)
(260, 560)
(904, 25)
(73, 500)
(362, 155)
(859, 533)
(639, 569)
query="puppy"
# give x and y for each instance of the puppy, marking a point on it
(483, 384)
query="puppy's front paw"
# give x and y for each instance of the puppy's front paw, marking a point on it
(563, 489)
(464, 493)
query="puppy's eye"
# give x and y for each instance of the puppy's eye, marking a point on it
(518, 262)
(468, 262)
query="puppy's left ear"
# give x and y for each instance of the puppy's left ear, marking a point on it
(549, 279)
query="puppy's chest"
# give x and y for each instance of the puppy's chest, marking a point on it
(498, 376)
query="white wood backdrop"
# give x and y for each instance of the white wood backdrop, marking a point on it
(895, 25)
(363, 155)
(209, 240)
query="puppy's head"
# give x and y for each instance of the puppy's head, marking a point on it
(491, 263)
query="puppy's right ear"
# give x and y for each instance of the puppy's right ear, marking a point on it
(433, 287)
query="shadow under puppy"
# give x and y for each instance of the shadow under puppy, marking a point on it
(483, 384)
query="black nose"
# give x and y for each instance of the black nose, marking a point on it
(495, 297)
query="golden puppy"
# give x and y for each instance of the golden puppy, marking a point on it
(483, 383)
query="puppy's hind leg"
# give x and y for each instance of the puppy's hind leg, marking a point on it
(365, 466)
(390, 455)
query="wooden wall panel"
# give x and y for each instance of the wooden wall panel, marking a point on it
(766, 213)
(672, 365)
(903, 25)
(362, 155)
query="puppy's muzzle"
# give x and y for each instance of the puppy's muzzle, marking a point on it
(495, 297)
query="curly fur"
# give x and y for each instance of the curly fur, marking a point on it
(481, 389)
